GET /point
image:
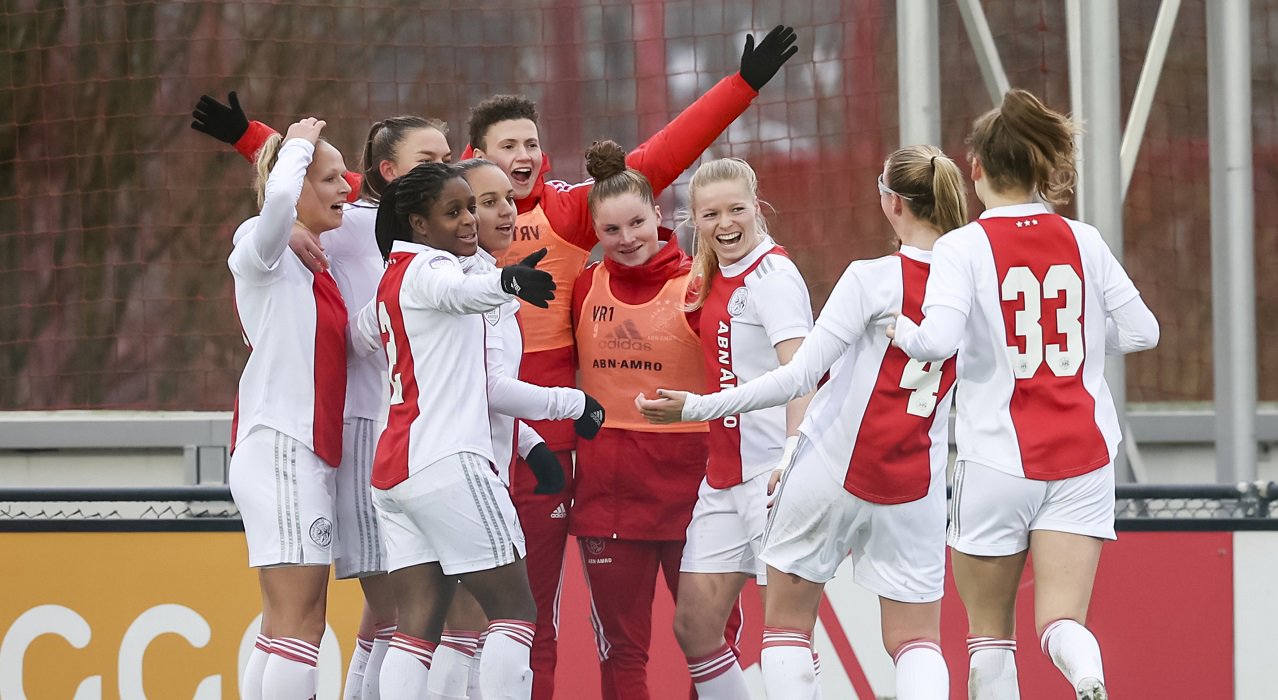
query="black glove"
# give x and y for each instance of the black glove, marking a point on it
(759, 64)
(591, 420)
(226, 123)
(525, 281)
(546, 467)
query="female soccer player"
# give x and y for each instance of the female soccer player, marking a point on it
(755, 312)
(636, 483)
(1032, 301)
(446, 516)
(393, 147)
(868, 475)
(286, 438)
(455, 666)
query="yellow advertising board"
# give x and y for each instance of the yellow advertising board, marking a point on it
(134, 615)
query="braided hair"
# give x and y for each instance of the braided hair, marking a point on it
(413, 193)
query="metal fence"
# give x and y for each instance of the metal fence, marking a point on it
(1140, 507)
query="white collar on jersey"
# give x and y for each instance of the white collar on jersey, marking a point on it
(751, 258)
(1016, 210)
(408, 247)
(480, 261)
(918, 254)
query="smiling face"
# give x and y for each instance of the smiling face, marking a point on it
(515, 147)
(324, 191)
(424, 145)
(495, 207)
(727, 219)
(450, 222)
(627, 228)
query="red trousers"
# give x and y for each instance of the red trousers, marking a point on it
(544, 519)
(621, 576)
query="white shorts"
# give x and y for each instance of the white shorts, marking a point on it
(456, 512)
(898, 551)
(285, 494)
(726, 532)
(993, 512)
(358, 549)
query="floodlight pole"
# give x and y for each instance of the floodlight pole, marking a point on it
(918, 72)
(1233, 281)
(1093, 43)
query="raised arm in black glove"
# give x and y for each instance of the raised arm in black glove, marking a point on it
(546, 467)
(226, 123)
(760, 63)
(591, 420)
(525, 281)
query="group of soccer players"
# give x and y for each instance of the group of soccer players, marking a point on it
(409, 412)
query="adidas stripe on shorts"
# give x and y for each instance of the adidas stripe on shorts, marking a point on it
(358, 549)
(456, 512)
(286, 498)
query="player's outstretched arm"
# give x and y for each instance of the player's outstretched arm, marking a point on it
(815, 356)
(669, 152)
(228, 123)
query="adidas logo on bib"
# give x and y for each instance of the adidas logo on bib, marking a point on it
(559, 513)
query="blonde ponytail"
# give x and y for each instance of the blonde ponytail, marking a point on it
(265, 162)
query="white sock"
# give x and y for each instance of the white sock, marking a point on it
(718, 676)
(406, 668)
(355, 673)
(505, 672)
(290, 671)
(473, 691)
(920, 671)
(1074, 650)
(991, 671)
(788, 671)
(251, 680)
(371, 690)
(450, 669)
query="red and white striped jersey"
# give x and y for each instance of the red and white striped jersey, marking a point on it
(357, 265)
(294, 322)
(753, 304)
(1036, 288)
(429, 315)
(880, 424)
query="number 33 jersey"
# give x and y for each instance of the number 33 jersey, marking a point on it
(881, 421)
(1037, 289)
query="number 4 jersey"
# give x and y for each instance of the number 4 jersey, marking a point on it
(879, 425)
(1036, 288)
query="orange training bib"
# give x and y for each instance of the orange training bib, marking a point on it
(625, 349)
(551, 328)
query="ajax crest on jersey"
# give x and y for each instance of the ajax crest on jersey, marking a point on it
(594, 545)
(440, 261)
(737, 302)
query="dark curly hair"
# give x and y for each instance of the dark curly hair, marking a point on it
(413, 193)
(498, 108)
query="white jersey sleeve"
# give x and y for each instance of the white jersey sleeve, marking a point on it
(509, 396)
(1130, 328)
(258, 248)
(366, 331)
(528, 439)
(787, 313)
(443, 286)
(819, 351)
